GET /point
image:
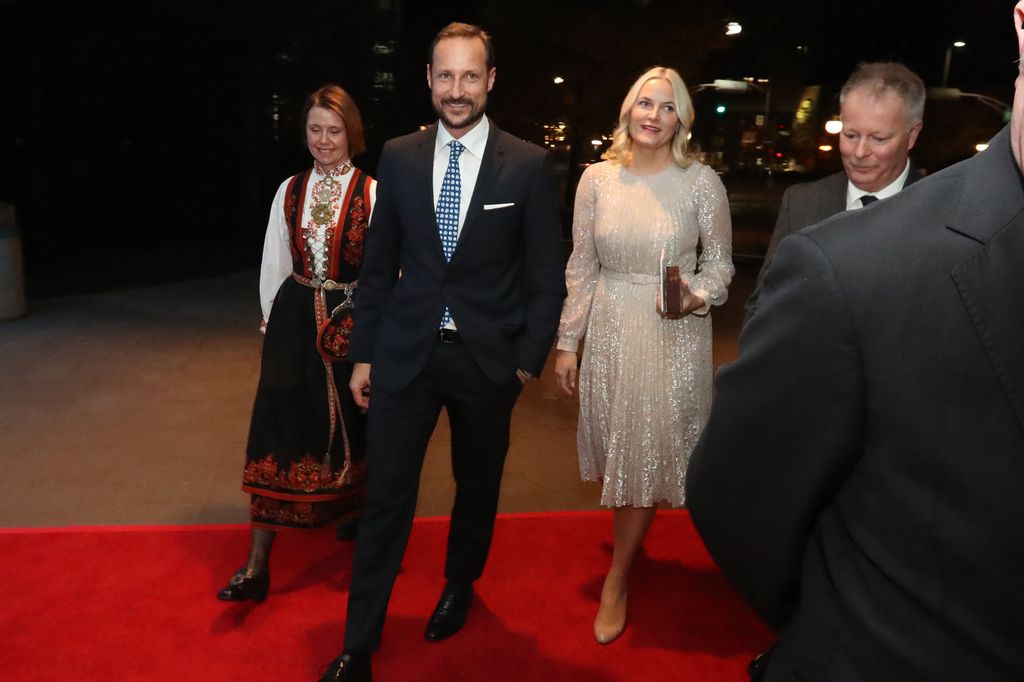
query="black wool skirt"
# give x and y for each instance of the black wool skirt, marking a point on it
(300, 471)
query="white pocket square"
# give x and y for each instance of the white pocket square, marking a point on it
(491, 207)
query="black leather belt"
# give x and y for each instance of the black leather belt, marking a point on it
(448, 336)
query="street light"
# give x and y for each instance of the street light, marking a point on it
(558, 80)
(949, 58)
(954, 93)
(733, 28)
(748, 84)
(833, 127)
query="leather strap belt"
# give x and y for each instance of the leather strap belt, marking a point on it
(325, 284)
(448, 335)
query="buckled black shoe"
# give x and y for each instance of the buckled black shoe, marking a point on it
(243, 587)
(450, 614)
(349, 667)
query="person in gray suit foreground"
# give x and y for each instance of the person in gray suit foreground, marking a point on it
(881, 107)
(859, 480)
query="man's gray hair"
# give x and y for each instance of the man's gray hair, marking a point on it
(880, 78)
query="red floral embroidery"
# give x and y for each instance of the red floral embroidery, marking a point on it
(335, 339)
(356, 235)
(284, 512)
(304, 476)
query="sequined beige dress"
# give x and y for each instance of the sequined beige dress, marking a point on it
(645, 382)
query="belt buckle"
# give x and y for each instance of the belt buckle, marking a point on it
(448, 335)
(329, 285)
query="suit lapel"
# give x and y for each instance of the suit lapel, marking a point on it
(490, 167)
(991, 282)
(422, 169)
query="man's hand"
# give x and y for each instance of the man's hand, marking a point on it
(359, 384)
(565, 370)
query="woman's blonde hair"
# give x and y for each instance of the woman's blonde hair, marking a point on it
(622, 143)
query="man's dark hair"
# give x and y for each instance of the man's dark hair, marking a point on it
(459, 30)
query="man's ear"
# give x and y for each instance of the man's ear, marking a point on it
(912, 135)
(430, 83)
(1018, 25)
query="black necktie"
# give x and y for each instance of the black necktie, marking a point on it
(868, 199)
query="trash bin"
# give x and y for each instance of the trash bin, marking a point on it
(12, 272)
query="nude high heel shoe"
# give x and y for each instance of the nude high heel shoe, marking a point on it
(610, 621)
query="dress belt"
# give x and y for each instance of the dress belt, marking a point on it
(326, 284)
(634, 277)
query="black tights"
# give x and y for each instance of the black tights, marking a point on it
(259, 552)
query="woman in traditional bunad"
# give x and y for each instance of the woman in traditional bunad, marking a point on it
(305, 458)
(645, 378)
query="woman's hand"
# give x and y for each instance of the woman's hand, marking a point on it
(565, 370)
(688, 302)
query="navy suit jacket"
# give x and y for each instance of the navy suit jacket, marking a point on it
(504, 284)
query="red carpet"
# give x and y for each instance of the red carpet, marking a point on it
(138, 604)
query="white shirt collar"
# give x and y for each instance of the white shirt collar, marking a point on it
(854, 193)
(474, 140)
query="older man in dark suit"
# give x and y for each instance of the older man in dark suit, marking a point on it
(860, 477)
(458, 302)
(881, 107)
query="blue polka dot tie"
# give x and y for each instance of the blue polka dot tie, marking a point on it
(447, 211)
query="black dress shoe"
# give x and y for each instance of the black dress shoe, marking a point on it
(450, 613)
(242, 587)
(349, 667)
(348, 529)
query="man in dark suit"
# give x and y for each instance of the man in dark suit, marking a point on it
(881, 107)
(458, 302)
(860, 477)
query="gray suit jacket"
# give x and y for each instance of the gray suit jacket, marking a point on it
(859, 479)
(803, 205)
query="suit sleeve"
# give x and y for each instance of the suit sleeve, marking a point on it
(543, 269)
(379, 271)
(784, 432)
(783, 228)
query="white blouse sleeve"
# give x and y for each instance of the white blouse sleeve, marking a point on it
(373, 200)
(583, 269)
(277, 254)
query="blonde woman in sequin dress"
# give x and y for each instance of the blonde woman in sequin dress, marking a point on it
(305, 459)
(645, 379)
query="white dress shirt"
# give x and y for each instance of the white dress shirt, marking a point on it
(854, 193)
(277, 249)
(475, 142)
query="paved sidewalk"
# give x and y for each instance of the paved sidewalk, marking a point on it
(132, 407)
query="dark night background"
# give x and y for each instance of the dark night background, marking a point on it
(143, 143)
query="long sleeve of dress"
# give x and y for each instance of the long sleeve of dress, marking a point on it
(277, 256)
(583, 269)
(715, 265)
